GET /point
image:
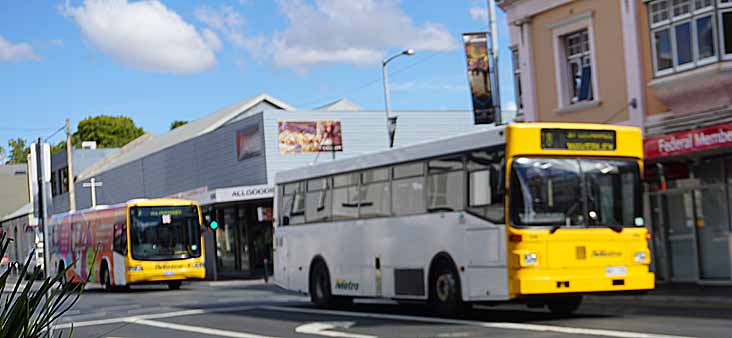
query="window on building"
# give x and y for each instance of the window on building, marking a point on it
(54, 184)
(579, 66)
(684, 34)
(517, 80)
(64, 172)
(726, 23)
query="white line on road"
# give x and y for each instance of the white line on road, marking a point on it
(196, 329)
(153, 316)
(324, 329)
(496, 325)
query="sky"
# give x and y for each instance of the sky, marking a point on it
(157, 61)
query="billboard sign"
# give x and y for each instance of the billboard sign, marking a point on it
(248, 143)
(479, 77)
(309, 136)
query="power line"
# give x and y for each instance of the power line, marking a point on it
(330, 98)
(54, 133)
(24, 129)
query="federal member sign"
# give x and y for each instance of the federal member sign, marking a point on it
(578, 139)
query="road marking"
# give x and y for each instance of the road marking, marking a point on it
(67, 325)
(324, 329)
(196, 329)
(496, 325)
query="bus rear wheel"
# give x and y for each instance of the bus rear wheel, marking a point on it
(320, 292)
(565, 305)
(174, 285)
(445, 296)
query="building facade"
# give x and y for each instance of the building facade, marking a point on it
(576, 61)
(687, 55)
(226, 160)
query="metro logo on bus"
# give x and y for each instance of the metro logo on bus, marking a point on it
(346, 285)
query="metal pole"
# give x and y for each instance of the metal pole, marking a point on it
(42, 220)
(494, 52)
(70, 166)
(386, 101)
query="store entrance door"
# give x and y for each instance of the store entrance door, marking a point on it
(697, 233)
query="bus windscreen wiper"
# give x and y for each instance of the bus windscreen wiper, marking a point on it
(554, 228)
(615, 227)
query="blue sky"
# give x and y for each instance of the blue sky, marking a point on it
(159, 61)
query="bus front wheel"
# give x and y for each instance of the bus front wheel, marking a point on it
(565, 305)
(320, 293)
(445, 296)
(106, 281)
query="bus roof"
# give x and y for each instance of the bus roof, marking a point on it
(487, 137)
(140, 202)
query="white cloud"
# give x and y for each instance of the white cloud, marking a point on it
(57, 42)
(479, 13)
(145, 35)
(16, 52)
(356, 32)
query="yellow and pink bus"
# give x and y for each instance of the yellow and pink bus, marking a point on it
(141, 241)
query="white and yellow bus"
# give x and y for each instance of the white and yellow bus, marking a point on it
(141, 241)
(537, 213)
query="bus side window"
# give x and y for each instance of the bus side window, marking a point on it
(407, 188)
(486, 184)
(120, 238)
(318, 200)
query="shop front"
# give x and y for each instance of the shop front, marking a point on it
(689, 197)
(243, 236)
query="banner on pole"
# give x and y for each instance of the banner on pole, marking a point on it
(479, 78)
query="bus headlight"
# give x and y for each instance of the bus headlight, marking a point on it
(640, 257)
(135, 268)
(198, 265)
(530, 259)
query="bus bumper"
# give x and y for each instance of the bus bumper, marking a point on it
(164, 276)
(553, 282)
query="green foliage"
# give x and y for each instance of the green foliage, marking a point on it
(19, 151)
(27, 313)
(107, 131)
(177, 123)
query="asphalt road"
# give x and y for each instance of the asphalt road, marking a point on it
(255, 310)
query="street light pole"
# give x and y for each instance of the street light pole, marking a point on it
(390, 121)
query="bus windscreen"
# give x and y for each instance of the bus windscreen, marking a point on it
(165, 233)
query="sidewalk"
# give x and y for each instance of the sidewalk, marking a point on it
(720, 295)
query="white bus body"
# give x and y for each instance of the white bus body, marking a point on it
(391, 256)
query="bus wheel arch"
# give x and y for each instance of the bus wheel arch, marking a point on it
(445, 285)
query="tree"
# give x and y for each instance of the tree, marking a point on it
(2, 155)
(107, 131)
(18, 151)
(177, 123)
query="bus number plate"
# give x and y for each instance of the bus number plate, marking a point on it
(616, 271)
(168, 273)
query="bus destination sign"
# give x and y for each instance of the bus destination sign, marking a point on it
(578, 139)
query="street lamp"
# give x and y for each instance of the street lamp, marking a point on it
(391, 120)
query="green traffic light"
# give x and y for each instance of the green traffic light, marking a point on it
(214, 225)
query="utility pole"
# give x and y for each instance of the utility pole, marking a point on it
(42, 218)
(70, 166)
(494, 54)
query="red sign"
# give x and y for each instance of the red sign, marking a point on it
(688, 141)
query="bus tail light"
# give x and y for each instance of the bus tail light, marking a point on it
(515, 238)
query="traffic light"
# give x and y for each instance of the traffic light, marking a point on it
(213, 225)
